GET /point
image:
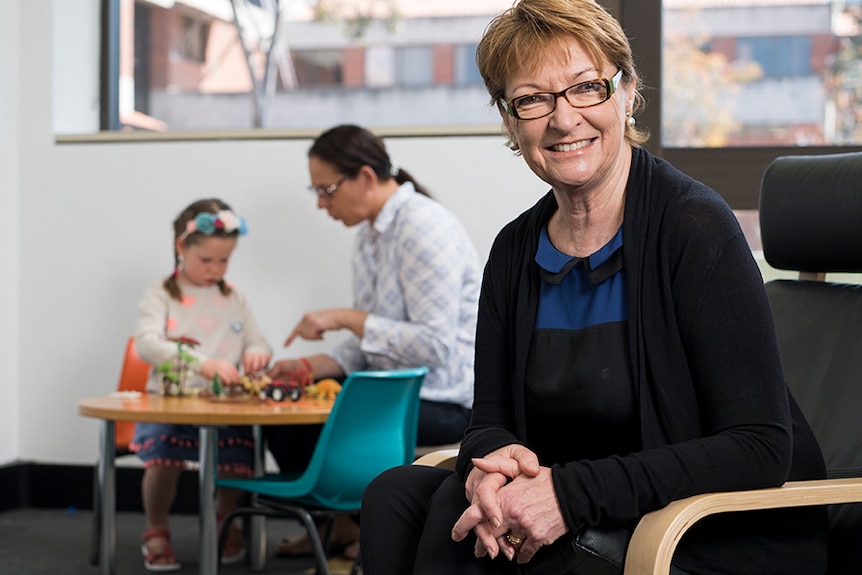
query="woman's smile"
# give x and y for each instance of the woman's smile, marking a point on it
(574, 146)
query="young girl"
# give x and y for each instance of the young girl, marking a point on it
(195, 302)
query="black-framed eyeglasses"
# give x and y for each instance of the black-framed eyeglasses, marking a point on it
(326, 191)
(581, 95)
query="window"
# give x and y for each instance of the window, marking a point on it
(317, 68)
(379, 66)
(193, 39)
(414, 66)
(466, 71)
(777, 56)
(744, 81)
(241, 64)
(750, 73)
(782, 76)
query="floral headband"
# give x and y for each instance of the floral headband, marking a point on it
(207, 224)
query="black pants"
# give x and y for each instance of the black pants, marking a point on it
(292, 445)
(407, 518)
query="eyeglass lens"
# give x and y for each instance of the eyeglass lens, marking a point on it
(326, 191)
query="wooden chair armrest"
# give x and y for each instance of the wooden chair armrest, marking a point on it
(444, 458)
(658, 533)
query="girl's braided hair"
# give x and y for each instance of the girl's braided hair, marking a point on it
(204, 218)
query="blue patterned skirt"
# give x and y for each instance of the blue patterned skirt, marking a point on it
(173, 445)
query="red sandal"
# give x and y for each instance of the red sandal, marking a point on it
(164, 560)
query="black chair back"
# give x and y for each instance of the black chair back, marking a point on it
(811, 222)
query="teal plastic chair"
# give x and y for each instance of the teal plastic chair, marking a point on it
(372, 427)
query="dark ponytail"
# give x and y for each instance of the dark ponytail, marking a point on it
(349, 147)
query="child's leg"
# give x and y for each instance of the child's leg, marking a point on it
(226, 501)
(158, 490)
(226, 498)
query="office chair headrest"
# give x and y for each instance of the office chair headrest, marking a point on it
(811, 213)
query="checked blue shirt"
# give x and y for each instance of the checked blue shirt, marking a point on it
(417, 274)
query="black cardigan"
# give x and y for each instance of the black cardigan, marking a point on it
(715, 413)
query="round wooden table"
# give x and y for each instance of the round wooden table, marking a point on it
(199, 411)
(209, 415)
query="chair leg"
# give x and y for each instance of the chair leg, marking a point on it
(316, 544)
(96, 531)
(299, 513)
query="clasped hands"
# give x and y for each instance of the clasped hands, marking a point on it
(510, 494)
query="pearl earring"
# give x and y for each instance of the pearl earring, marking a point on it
(630, 120)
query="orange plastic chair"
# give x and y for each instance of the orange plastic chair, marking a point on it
(133, 377)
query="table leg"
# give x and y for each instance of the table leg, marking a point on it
(257, 537)
(206, 480)
(108, 490)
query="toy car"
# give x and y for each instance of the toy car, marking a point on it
(278, 390)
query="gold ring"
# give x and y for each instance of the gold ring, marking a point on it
(515, 541)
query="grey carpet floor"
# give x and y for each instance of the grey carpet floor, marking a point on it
(57, 542)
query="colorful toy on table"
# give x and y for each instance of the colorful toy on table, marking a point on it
(325, 389)
(254, 384)
(264, 387)
(176, 373)
(261, 386)
(294, 387)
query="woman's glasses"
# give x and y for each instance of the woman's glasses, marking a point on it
(581, 95)
(326, 191)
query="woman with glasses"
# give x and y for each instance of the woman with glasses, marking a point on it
(625, 349)
(416, 283)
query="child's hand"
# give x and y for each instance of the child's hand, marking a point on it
(226, 371)
(254, 362)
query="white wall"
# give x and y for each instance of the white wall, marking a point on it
(94, 226)
(9, 246)
(75, 40)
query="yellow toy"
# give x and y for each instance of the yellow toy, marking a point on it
(324, 389)
(254, 386)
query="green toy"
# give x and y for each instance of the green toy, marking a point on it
(176, 373)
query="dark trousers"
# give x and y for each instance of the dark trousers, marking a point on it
(407, 518)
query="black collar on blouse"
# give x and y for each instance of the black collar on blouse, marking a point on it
(606, 269)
